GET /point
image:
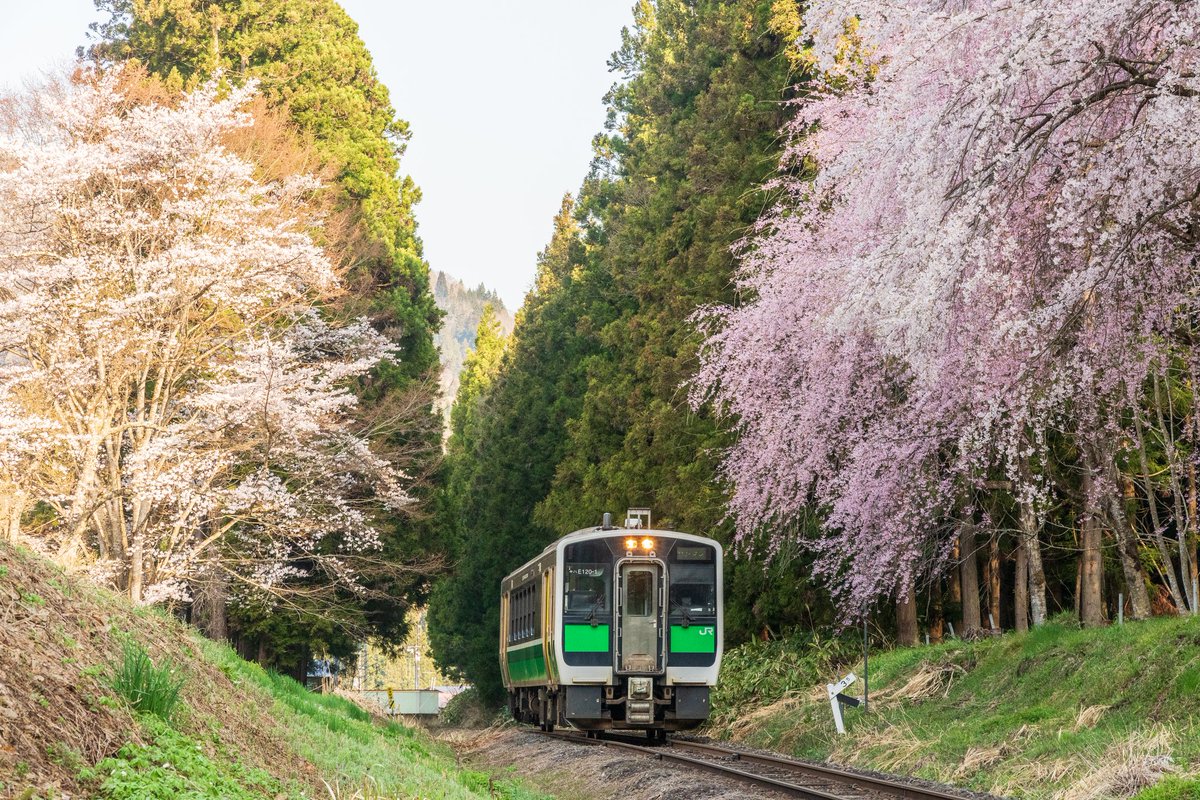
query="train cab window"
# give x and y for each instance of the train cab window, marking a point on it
(639, 593)
(694, 589)
(587, 588)
(693, 581)
(587, 577)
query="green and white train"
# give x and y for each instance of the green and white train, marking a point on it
(614, 628)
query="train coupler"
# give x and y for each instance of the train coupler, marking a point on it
(639, 707)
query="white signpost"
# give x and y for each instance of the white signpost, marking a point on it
(835, 699)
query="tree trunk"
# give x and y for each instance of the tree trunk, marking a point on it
(993, 578)
(1127, 543)
(1021, 591)
(937, 617)
(1160, 541)
(1091, 572)
(1187, 535)
(136, 569)
(12, 506)
(72, 548)
(209, 607)
(1091, 558)
(1131, 565)
(968, 570)
(954, 579)
(906, 620)
(1104, 468)
(1031, 544)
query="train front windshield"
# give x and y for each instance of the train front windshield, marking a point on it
(694, 581)
(587, 583)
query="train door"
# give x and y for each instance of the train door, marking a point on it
(639, 622)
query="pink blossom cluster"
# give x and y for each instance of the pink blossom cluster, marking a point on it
(1000, 239)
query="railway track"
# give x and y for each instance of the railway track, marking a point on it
(783, 775)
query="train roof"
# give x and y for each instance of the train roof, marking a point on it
(589, 533)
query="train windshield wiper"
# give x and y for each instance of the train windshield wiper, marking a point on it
(687, 618)
(591, 615)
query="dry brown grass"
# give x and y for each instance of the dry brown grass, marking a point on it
(930, 680)
(51, 640)
(751, 721)
(1089, 716)
(59, 638)
(1126, 768)
(896, 747)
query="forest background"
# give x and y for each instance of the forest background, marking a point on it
(618, 387)
(770, 322)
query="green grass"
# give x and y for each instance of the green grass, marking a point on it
(354, 756)
(1006, 714)
(174, 766)
(351, 751)
(147, 688)
(1172, 788)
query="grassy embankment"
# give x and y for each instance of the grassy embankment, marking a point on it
(70, 725)
(1055, 713)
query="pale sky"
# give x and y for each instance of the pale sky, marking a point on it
(503, 98)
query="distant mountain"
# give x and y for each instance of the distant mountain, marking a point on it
(464, 308)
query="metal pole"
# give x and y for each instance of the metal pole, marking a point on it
(1195, 595)
(1121, 608)
(866, 667)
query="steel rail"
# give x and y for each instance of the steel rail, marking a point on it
(664, 754)
(882, 785)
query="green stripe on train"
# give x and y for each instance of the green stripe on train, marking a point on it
(527, 663)
(585, 638)
(694, 639)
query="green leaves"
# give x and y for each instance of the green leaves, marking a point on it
(587, 412)
(147, 688)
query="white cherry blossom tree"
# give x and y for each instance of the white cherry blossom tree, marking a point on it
(169, 392)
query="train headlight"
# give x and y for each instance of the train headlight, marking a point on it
(631, 543)
(647, 543)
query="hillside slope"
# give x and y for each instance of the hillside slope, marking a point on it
(463, 307)
(1059, 712)
(237, 731)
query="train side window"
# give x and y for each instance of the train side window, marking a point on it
(524, 613)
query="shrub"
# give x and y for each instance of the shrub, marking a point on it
(760, 672)
(149, 689)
